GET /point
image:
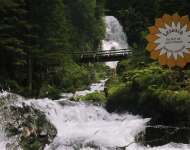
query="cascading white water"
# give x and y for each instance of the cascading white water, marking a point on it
(80, 124)
(115, 37)
(3, 140)
(95, 87)
(83, 126)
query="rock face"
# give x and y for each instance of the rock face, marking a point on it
(28, 125)
(161, 135)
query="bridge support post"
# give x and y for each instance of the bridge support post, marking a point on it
(114, 73)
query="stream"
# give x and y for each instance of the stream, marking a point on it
(82, 126)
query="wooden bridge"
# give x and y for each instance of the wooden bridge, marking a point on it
(103, 55)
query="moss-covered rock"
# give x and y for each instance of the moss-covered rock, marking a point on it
(95, 97)
(32, 127)
(113, 85)
(27, 124)
(161, 135)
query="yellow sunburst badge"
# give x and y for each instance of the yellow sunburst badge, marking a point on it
(169, 40)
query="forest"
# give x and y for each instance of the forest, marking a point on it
(38, 37)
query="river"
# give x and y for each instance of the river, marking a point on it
(82, 126)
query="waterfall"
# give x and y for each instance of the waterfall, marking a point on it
(115, 37)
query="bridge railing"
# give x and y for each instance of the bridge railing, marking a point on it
(101, 55)
(114, 52)
(104, 52)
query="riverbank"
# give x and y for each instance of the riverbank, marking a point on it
(154, 91)
(75, 78)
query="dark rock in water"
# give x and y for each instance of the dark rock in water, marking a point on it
(30, 125)
(66, 102)
(161, 135)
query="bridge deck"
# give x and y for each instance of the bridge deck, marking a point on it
(103, 55)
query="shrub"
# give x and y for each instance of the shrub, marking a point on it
(155, 92)
(113, 85)
(98, 97)
(49, 91)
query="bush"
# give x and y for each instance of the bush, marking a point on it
(155, 92)
(49, 91)
(98, 97)
(113, 85)
(72, 76)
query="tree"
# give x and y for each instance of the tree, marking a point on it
(12, 54)
(35, 36)
(135, 16)
(87, 24)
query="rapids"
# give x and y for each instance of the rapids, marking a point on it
(82, 126)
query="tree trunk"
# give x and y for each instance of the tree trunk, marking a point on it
(29, 73)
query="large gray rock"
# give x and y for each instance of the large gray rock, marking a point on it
(29, 125)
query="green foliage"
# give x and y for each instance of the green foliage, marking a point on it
(31, 144)
(99, 71)
(35, 36)
(74, 76)
(137, 15)
(50, 92)
(86, 23)
(113, 85)
(98, 97)
(151, 90)
(155, 92)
